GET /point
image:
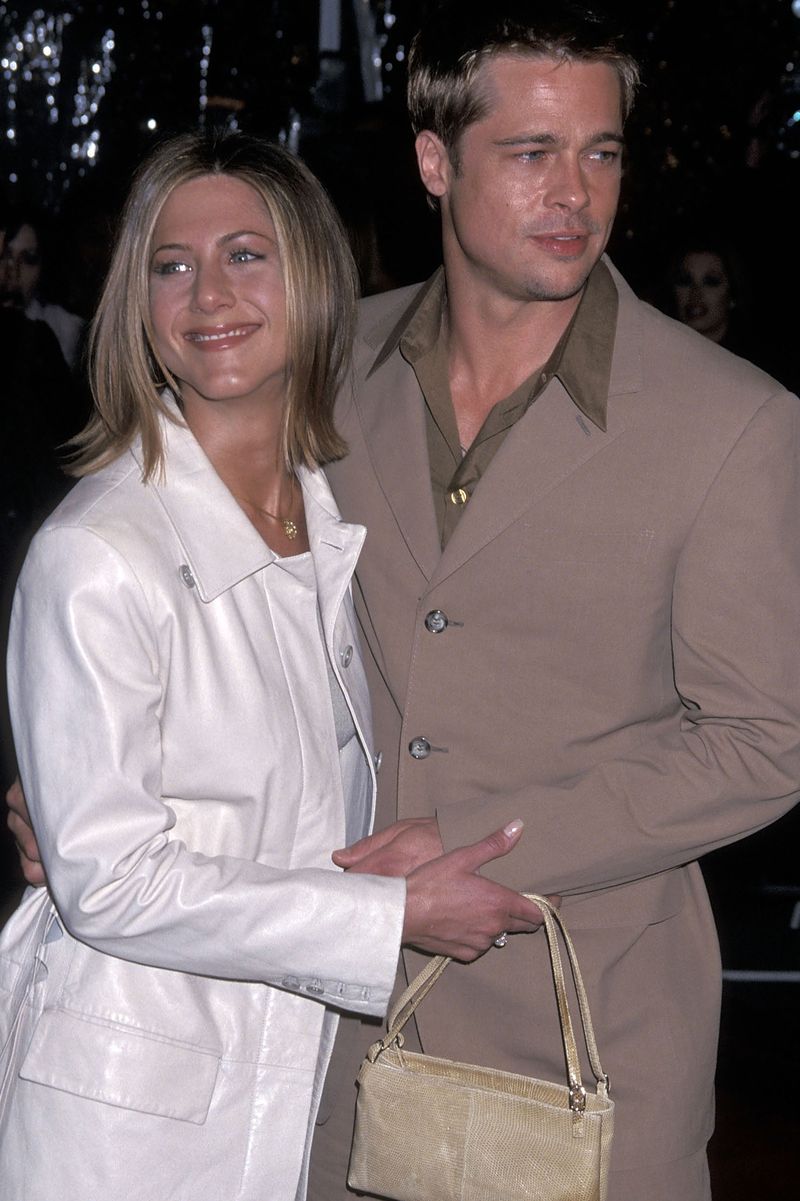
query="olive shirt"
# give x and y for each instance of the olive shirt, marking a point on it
(581, 361)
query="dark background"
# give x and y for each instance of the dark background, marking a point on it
(714, 143)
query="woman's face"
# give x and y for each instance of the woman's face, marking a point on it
(703, 294)
(217, 298)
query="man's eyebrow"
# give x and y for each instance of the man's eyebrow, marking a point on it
(550, 139)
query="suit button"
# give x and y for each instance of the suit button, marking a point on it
(459, 496)
(347, 656)
(419, 748)
(436, 621)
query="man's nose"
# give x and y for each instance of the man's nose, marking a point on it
(567, 186)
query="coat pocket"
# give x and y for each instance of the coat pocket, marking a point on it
(118, 1066)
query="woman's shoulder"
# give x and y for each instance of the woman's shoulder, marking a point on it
(100, 497)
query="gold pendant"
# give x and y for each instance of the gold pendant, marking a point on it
(289, 529)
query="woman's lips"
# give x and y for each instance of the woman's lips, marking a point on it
(221, 338)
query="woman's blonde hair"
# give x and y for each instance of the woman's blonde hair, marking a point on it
(127, 375)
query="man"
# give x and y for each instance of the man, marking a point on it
(579, 588)
(579, 592)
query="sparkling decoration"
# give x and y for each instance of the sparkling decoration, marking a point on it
(31, 66)
(208, 41)
(87, 86)
(93, 79)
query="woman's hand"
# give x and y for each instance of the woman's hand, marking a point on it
(19, 823)
(452, 910)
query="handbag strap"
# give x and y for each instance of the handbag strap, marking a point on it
(421, 985)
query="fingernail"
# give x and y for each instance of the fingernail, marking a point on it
(514, 827)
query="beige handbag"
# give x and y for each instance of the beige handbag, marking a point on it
(430, 1129)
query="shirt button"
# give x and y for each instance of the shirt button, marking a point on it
(186, 575)
(436, 621)
(377, 761)
(346, 656)
(419, 748)
(459, 497)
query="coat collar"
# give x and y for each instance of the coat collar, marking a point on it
(220, 545)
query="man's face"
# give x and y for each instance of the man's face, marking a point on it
(527, 207)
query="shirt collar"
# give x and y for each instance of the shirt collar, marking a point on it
(581, 361)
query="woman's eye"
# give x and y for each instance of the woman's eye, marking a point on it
(170, 268)
(244, 256)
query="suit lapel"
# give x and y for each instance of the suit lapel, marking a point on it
(392, 416)
(547, 445)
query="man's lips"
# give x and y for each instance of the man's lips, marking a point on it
(221, 337)
(563, 243)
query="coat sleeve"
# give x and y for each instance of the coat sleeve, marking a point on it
(730, 762)
(86, 689)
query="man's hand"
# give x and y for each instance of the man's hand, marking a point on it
(395, 851)
(20, 826)
(451, 910)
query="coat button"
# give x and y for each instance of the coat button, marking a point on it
(436, 621)
(186, 575)
(459, 496)
(346, 656)
(419, 748)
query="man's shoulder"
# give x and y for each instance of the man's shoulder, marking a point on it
(671, 357)
(378, 315)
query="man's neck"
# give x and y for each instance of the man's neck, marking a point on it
(494, 343)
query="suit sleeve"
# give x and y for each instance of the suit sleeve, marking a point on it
(86, 686)
(730, 764)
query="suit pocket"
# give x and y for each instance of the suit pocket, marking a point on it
(119, 1066)
(641, 903)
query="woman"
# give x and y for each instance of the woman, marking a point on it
(191, 721)
(703, 292)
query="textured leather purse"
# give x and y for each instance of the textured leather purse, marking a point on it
(431, 1129)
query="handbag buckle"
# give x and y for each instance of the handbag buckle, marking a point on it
(577, 1098)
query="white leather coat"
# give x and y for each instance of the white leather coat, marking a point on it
(167, 1024)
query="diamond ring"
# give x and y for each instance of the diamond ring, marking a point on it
(501, 939)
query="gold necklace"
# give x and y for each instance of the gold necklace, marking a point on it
(289, 527)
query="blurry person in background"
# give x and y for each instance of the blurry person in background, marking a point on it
(23, 276)
(707, 289)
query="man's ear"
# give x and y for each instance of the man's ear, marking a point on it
(433, 162)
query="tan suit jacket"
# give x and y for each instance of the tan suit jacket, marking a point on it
(621, 669)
